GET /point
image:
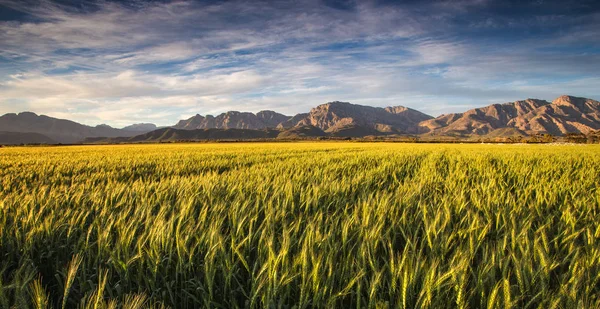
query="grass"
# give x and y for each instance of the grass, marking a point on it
(300, 225)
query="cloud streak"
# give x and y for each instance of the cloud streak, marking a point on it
(123, 62)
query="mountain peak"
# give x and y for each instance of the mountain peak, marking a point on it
(272, 119)
(566, 114)
(336, 116)
(233, 120)
(268, 113)
(26, 116)
(396, 109)
(333, 104)
(140, 127)
(339, 103)
(570, 100)
(568, 97)
(30, 114)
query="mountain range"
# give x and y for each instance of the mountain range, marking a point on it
(566, 114)
(58, 130)
(233, 120)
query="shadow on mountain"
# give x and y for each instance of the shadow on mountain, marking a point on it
(302, 132)
(18, 138)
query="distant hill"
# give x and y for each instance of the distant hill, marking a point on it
(59, 130)
(140, 127)
(172, 134)
(17, 138)
(301, 132)
(354, 130)
(331, 117)
(505, 132)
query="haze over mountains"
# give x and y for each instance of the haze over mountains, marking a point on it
(566, 114)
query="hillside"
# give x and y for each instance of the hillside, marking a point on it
(172, 134)
(301, 132)
(17, 138)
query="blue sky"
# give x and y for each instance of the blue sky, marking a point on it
(123, 62)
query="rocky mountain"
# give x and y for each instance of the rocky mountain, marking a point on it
(293, 121)
(59, 130)
(340, 116)
(271, 119)
(348, 119)
(480, 120)
(566, 114)
(233, 120)
(354, 130)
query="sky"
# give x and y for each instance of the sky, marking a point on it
(124, 62)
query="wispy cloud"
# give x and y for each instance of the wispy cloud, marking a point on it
(123, 62)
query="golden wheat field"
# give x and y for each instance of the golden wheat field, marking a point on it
(300, 225)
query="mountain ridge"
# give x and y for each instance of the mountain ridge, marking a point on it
(564, 115)
(335, 116)
(17, 138)
(59, 130)
(233, 120)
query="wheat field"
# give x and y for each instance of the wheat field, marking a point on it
(300, 225)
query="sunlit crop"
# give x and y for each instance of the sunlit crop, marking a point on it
(281, 225)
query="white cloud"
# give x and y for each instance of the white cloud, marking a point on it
(119, 64)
